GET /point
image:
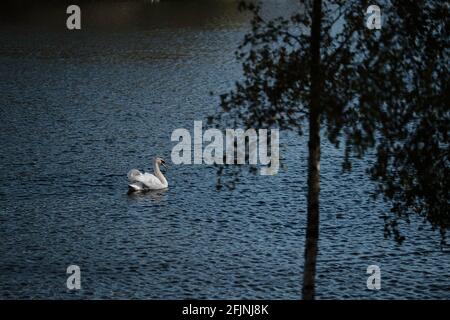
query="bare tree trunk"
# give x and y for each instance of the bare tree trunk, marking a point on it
(312, 229)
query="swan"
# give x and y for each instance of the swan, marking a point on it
(139, 181)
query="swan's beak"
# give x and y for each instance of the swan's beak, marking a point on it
(164, 165)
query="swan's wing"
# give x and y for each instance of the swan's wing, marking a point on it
(149, 180)
(135, 187)
(133, 174)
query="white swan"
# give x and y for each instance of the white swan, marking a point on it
(146, 181)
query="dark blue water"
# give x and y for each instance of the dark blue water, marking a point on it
(79, 109)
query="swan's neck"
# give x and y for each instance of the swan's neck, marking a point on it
(159, 174)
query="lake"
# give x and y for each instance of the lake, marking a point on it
(79, 109)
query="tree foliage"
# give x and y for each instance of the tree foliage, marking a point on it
(383, 90)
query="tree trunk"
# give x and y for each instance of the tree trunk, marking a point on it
(312, 229)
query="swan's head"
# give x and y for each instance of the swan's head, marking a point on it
(160, 161)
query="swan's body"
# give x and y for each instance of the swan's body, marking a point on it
(139, 181)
